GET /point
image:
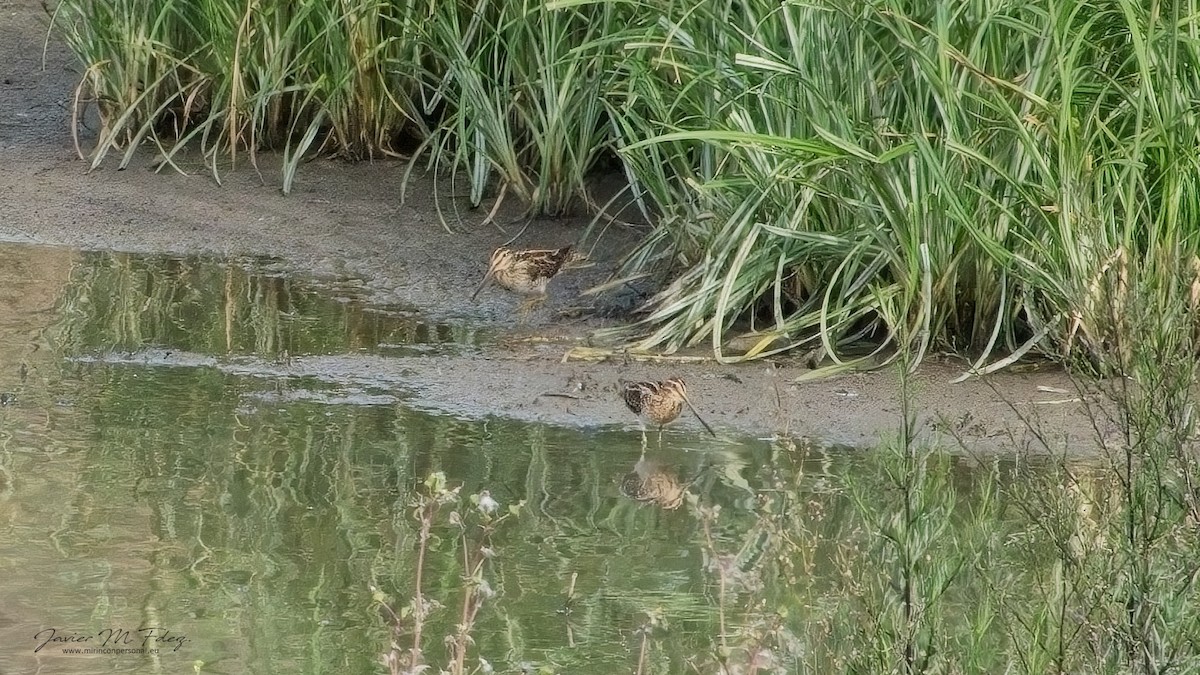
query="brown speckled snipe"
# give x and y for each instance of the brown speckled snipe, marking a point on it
(526, 272)
(659, 403)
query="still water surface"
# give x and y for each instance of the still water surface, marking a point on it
(256, 521)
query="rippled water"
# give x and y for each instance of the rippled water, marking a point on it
(266, 524)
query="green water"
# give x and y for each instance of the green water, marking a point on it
(262, 529)
(254, 526)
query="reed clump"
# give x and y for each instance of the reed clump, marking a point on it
(237, 78)
(983, 168)
(502, 93)
(832, 174)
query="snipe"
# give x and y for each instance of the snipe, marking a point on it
(526, 272)
(659, 403)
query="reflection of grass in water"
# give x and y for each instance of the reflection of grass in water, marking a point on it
(249, 505)
(280, 519)
(283, 518)
(123, 301)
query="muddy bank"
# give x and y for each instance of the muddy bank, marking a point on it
(529, 383)
(347, 220)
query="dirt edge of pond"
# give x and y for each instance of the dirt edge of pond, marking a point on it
(347, 220)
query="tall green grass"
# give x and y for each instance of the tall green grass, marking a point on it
(521, 87)
(504, 94)
(237, 78)
(964, 173)
(822, 174)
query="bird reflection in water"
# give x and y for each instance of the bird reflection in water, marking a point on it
(652, 482)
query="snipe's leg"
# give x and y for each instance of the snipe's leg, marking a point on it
(528, 305)
(524, 311)
(660, 434)
(645, 442)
